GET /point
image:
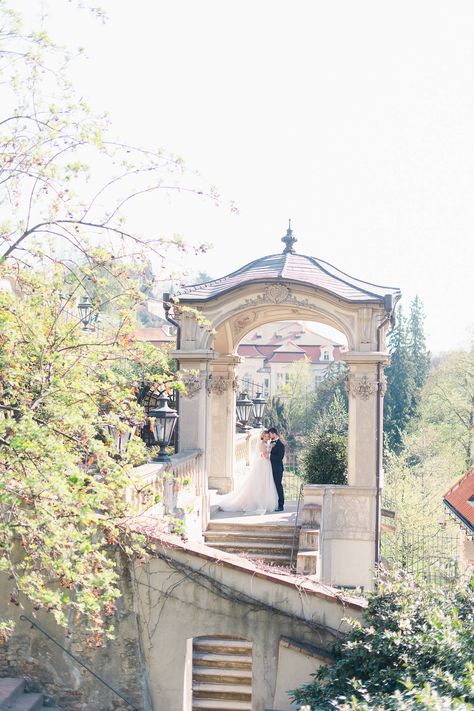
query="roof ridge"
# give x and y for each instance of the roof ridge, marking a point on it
(457, 484)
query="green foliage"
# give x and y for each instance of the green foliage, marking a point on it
(63, 510)
(331, 385)
(413, 650)
(436, 449)
(448, 402)
(399, 402)
(419, 355)
(325, 459)
(407, 374)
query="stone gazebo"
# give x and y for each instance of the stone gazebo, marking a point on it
(282, 287)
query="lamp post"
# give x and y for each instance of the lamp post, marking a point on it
(164, 420)
(259, 403)
(89, 316)
(244, 407)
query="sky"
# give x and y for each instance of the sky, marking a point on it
(355, 119)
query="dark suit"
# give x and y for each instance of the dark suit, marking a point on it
(276, 459)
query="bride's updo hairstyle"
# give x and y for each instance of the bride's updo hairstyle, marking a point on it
(262, 433)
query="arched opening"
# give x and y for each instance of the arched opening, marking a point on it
(296, 367)
(221, 672)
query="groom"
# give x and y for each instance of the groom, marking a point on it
(276, 459)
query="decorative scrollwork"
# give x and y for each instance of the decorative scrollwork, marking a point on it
(192, 383)
(242, 322)
(276, 293)
(220, 384)
(360, 387)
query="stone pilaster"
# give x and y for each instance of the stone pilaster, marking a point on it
(194, 413)
(363, 388)
(222, 386)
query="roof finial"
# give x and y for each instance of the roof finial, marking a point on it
(289, 240)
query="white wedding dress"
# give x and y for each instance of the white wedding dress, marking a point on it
(257, 492)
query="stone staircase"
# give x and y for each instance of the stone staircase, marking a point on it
(13, 697)
(308, 560)
(270, 543)
(222, 674)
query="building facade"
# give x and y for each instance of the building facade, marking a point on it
(269, 352)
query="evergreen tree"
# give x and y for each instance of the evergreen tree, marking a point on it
(400, 397)
(419, 354)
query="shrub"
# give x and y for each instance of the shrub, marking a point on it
(413, 651)
(325, 459)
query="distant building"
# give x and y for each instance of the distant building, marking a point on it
(159, 336)
(268, 354)
(459, 501)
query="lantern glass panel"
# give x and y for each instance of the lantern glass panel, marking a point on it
(259, 406)
(244, 408)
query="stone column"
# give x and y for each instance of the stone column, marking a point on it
(363, 388)
(194, 412)
(222, 387)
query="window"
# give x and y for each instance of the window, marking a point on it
(326, 355)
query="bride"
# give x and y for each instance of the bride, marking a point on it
(257, 492)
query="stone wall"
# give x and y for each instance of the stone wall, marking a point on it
(184, 591)
(193, 591)
(47, 668)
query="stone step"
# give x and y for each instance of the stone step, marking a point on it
(10, 689)
(219, 705)
(225, 661)
(309, 539)
(25, 702)
(250, 535)
(222, 645)
(264, 546)
(307, 562)
(218, 675)
(253, 529)
(230, 692)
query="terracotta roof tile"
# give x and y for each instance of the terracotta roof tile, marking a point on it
(458, 500)
(291, 268)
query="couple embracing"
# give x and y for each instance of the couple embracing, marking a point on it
(261, 491)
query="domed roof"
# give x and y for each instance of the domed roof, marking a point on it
(289, 267)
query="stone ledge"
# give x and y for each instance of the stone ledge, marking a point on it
(235, 562)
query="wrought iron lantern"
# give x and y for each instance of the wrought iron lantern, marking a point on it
(120, 437)
(259, 403)
(89, 316)
(244, 407)
(163, 419)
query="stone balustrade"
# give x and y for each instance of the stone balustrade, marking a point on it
(168, 486)
(245, 447)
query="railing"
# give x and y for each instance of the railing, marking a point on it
(251, 388)
(24, 618)
(294, 543)
(292, 481)
(161, 483)
(435, 557)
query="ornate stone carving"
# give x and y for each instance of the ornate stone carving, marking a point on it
(351, 513)
(244, 321)
(360, 386)
(192, 383)
(276, 293)
(383, 384)
(219, 384)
